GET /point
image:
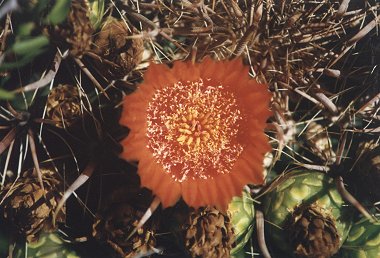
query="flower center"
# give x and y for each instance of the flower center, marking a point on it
(192, 129)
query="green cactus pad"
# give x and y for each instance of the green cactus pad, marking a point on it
(363, 240)
(294, 189)
(50, 245)
(242, 214)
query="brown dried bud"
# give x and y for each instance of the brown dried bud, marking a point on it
(27, 208)
(118, 53)
(123, 208)
(63, 105)
(76, 31)
(319, 142)
(209, 233)
(313, 233)
(115, 225)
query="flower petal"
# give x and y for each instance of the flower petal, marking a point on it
(162, 185)
(190, 192)
(134, 147)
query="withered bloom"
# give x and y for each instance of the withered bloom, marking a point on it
(197, 131)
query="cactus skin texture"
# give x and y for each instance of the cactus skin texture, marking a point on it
(49, 245)
(363, 241)
(306, 188)
(242, 214)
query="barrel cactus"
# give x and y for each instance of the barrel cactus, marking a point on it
(306, 215)
(363, 240)
(49, 245)
(242, 213)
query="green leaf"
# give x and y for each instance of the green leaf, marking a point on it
(41, 5)
(96, 13)
(25, 29)
(242, 240)
(240, 254)
(23, 101)
(21, 62)
(6, 94)
(59, 12)
(4, 244)
(25, 47)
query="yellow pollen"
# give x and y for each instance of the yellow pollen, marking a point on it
(190, 140)
(182, 139)
(192, 129)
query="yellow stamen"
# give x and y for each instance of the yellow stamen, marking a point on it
(182, 139)
(190, 140)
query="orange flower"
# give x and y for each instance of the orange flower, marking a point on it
(197, 131)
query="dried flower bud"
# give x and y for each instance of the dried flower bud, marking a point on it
(313, 232)
(76, 32)
(64, 105)
(319, 141)
(209, 234)
(118, 216)
(115, 225)
(117, 52)
(27, 208)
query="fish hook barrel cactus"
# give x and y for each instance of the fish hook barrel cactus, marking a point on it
(306, 215)
(197, 130)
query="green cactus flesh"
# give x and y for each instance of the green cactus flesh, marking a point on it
(363, 240)
(306, 188)
(50, 245)
(242, 214)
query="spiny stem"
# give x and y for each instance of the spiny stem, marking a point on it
(260, 234)
(243, 42)
(32, 145)
(153, 206)
(369, 103)
(91, 77)
(370, 26)
(5, 35)
(86, 174)
(340, 150)
(342, 8)
(8, 139)
(326, 102)
(351, 199)
(44, 80)
(6, 164)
